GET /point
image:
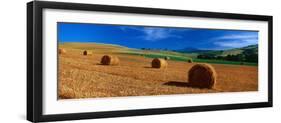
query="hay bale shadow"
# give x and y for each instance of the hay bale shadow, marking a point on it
(181, 84)
(100, 64)
(152, 68)
(177, 84)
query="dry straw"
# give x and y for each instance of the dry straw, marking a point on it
(159, 63)
(202, 76)
(87, 52)
(109, 60)
(62, 51)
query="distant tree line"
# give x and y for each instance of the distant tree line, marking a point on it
(248, 55)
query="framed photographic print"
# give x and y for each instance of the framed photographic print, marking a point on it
(89, 61)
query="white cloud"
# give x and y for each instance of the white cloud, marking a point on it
(155, 33)
(126, 28)
(236, 41)
(236, 36)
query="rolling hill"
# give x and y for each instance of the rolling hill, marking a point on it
(155, 53)
(234, 51)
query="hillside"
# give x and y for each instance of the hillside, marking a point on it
(154, 53)
(240, 50)
(118, 49)
(234, 51)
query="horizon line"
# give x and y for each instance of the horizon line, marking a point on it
(91, 42)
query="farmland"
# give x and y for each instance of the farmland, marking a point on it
(84, 77)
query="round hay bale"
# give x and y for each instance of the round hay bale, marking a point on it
(87, 52)
(167, 58)
(159, 63)
(189, 61)
(62, 51)
(109, 60)
(202, 76)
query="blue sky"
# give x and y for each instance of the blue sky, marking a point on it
(156, 37)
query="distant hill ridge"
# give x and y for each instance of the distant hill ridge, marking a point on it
(187, 50)
(93, 43)
(234, 51)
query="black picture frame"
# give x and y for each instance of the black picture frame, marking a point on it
(35, 69)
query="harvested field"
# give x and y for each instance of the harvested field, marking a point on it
(85, 77)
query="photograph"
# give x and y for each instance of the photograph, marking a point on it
(110, 60)
(91, 60)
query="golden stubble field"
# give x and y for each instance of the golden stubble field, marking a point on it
(84, 77)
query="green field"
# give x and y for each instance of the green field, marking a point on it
(185, 57)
